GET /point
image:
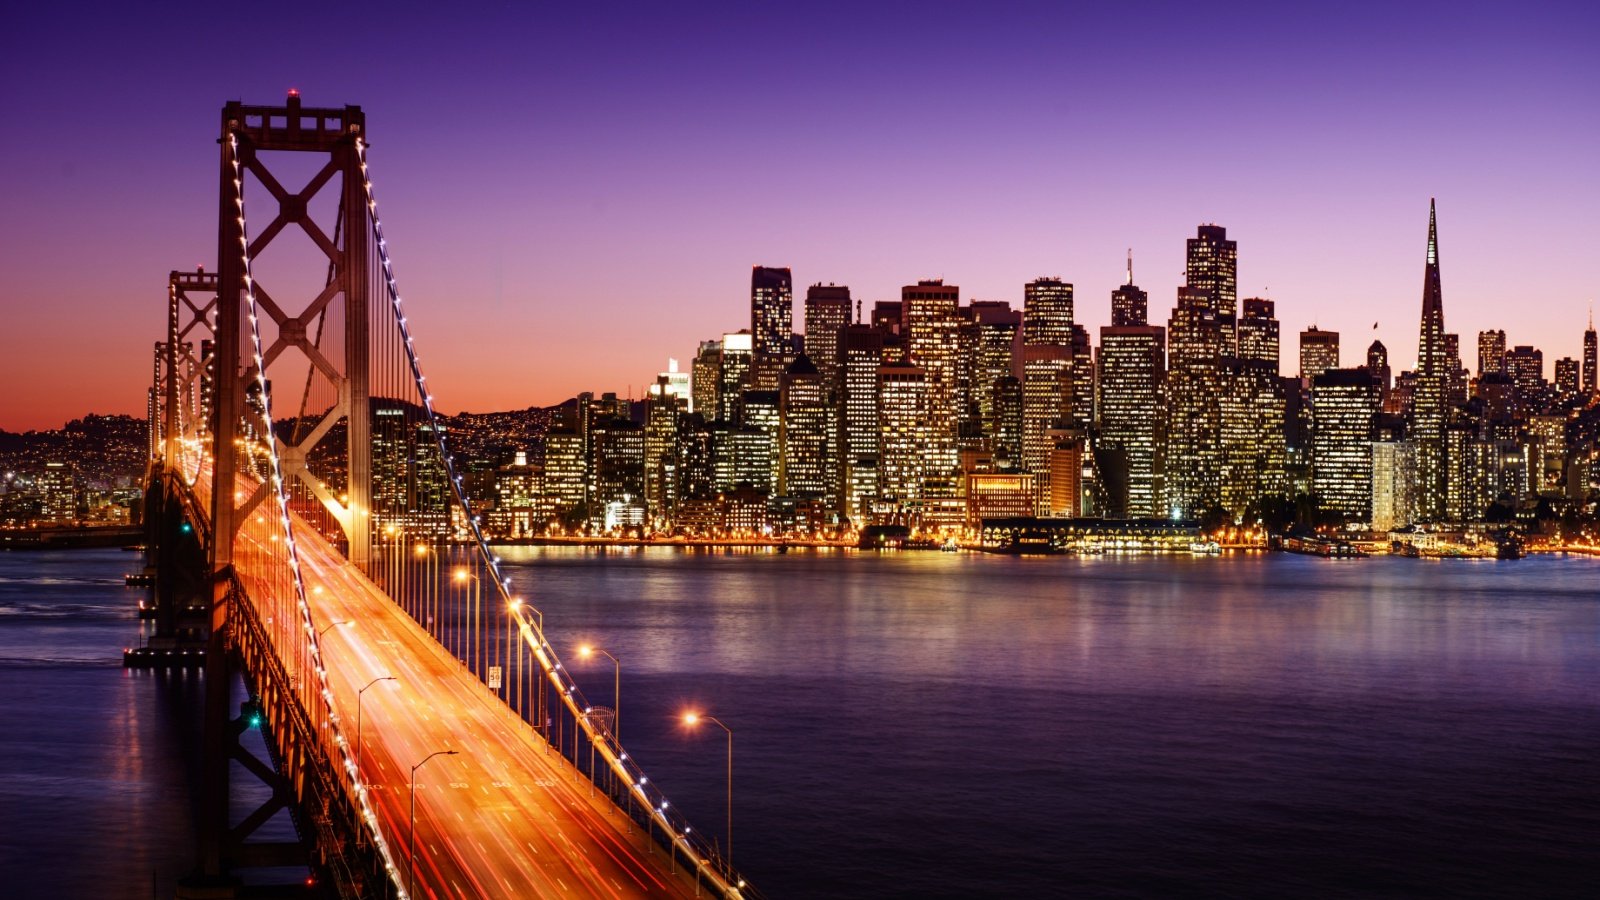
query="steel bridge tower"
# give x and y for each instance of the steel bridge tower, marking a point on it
(330, 136)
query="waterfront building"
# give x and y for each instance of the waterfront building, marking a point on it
(1344, 408)
(1008, 423)
(771, 324)
(1319, 352)
(1394, 470)
(1430, 397)
(1253, 453)
(999, 495)
(1547, 461)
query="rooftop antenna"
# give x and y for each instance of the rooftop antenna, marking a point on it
(1130, 267)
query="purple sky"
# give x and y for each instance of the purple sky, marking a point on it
(572, 197)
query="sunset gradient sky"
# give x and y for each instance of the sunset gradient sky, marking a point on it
(575, 192)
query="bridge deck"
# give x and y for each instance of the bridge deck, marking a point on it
(506, 817)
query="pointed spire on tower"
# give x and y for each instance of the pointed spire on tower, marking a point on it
(1433, 235)
(1130, 273)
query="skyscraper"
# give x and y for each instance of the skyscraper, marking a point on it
(1491, 351)
(863, 354)
(1251, 410)
(1378, 365)
(931, 323)
(1589, 360)
(1212, 272)
(1129, 305)
(1319, 352)
(1344, 406)
(771, 324)
(1195, 347)
(1131, 437)
(902, 421)
(807, 463)
(1047, 374)
(827, 312)
(1428, 402)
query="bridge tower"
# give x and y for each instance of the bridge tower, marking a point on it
(251, 136)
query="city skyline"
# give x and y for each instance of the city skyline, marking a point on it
(988, 169)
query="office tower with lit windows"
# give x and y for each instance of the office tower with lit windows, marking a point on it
(1567, 379)
(761, 410)
(664, 410)
(931, 324)
(1344, 409)
(1130, 437)
(566, 475)
(1048, 375)
(734, 379)
(705, 381)
(1491, 351)
(827, 314)
(1431, 395)
(808, 465)
(863, 354)
(1456, 392)
(771, 325)
(1394, 473)
(1195, 347)
(1378, 365)
(1129, 305)
(1250, 412)
(1525, 364)
(1008, 424)
(617, 445)
(1589, 361)
(1319, 352)
(1212, 271)
(997, 325)
(902, 422)
(1258, 331)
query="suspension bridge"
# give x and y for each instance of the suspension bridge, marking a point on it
(308, 529)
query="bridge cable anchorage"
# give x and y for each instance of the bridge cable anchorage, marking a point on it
(280, 490)
(530, 628)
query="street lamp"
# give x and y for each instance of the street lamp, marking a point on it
(468, 655)
(324, 629)
(358, 716)
(411, 858)
(692, 719)
(587, 651)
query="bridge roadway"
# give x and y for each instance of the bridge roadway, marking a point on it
(506, 817)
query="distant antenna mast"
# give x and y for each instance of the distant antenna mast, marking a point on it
(1130, 267)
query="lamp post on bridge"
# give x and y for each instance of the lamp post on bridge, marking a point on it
(692, 719)
(328, 627)
(411, 857)
(587, 651)
(472, 651)
(358, 716)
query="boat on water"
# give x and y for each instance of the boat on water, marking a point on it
(1205, 548)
